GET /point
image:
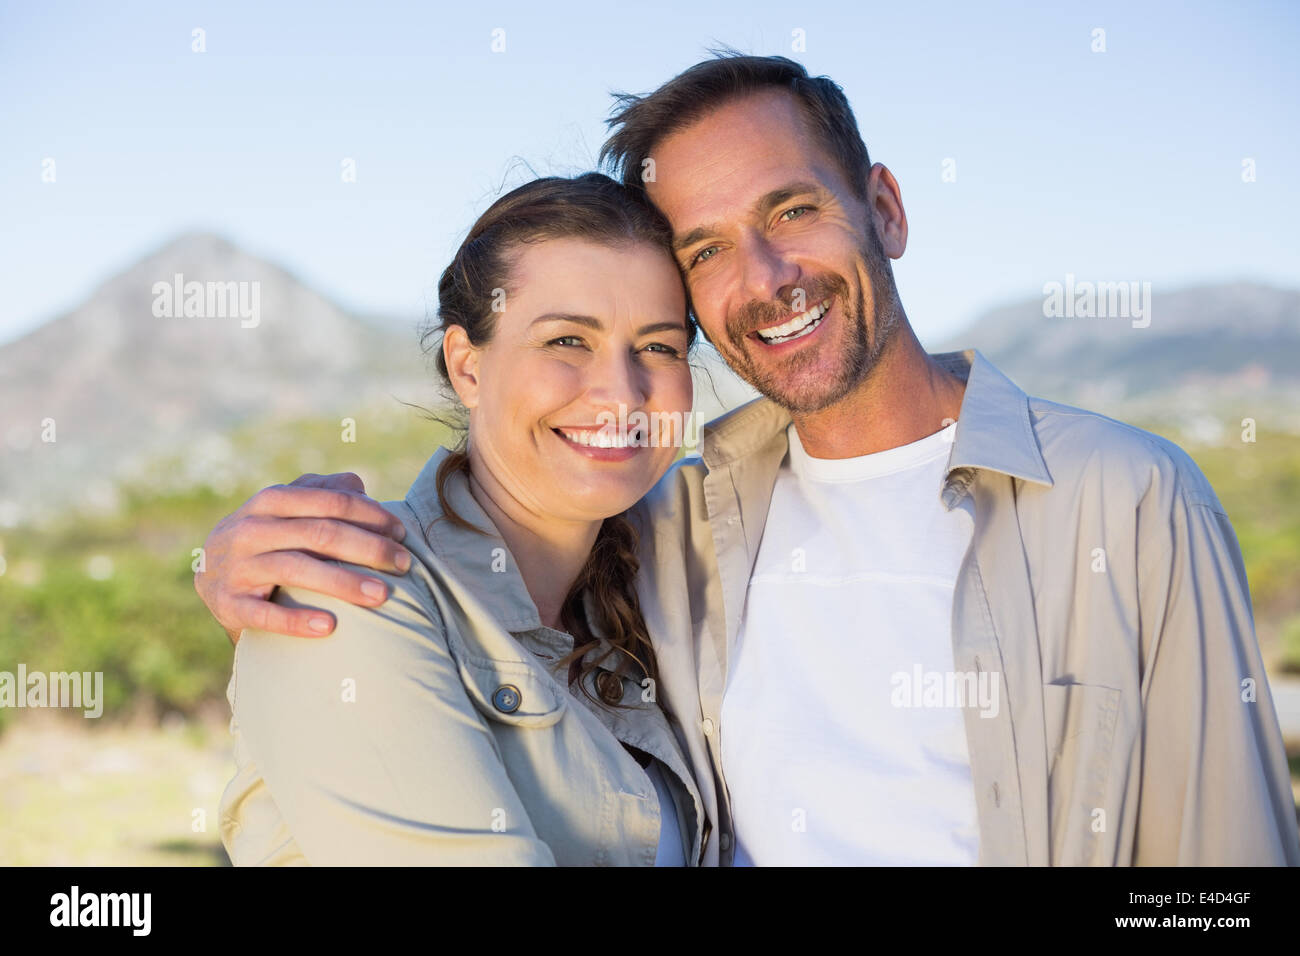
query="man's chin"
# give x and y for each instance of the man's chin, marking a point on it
(800, 387)
(805, 394)
(806, 401)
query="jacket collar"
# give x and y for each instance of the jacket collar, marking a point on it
(482, 563)
(994, 430)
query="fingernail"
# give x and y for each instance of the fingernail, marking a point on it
(403, 561)
(374, 590)
(319, 623)
(401, 532)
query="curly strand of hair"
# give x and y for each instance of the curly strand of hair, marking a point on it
(609, 577)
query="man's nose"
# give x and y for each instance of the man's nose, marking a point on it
(765, 270)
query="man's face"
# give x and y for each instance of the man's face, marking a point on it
(785, 271)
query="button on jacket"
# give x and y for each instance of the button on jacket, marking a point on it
(1103, 590)
(430, 730)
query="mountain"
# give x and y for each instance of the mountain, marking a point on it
(200, 337)
(1196, 354)
(153, 369)
(133, 372)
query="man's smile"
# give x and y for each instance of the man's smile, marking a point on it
(801, 326)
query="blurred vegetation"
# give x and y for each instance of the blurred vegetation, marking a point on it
(1258, 484)
(113, 591)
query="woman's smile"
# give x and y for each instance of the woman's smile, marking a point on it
(603, 442)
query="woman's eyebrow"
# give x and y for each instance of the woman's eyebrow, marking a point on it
(591, 322)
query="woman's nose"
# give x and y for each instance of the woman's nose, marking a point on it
(617, 379)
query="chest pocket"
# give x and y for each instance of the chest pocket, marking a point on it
(1080, 734)
(509, 692)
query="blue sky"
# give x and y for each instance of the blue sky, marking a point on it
(1122, 165)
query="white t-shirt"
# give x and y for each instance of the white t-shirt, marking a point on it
(850, 598)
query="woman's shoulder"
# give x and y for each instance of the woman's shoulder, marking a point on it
(434, 631)
(369, 656)
(412, 606)
(458, 602)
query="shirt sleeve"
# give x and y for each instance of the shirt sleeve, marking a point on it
(370, 746)
(1215, 787)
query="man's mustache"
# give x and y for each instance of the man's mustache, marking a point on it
(760, 315)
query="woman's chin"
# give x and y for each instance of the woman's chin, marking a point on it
(597, 483)
(600, 496)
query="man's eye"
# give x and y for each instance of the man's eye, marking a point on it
(704, 255)
(789, 214)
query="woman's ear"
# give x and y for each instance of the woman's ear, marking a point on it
(462, 364)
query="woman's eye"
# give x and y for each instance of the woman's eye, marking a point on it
(567, 340)
(663, 349)
(789, 214)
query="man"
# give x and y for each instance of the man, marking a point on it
(935, 621)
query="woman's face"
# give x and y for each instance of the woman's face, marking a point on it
(578, 403)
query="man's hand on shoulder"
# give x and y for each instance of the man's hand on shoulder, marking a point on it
(287, 535)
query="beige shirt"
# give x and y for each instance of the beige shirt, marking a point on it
(431, 730)
(1104, 590)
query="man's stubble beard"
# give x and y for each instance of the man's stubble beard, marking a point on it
(866, 344)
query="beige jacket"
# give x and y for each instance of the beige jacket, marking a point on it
(430, 730)
(1105, 590)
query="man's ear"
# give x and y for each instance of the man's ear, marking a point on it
(462, 360)
(885, 206)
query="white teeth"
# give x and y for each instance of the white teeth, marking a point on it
(800, 324)
(598, 439)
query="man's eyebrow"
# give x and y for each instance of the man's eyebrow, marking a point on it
(764, 204)
(777, 197)
(591, 322)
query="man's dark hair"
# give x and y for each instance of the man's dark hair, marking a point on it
(640, 123)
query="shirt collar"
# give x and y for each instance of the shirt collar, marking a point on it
(481, 562)
(994, 430)
(743, 431)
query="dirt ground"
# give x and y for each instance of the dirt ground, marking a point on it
(143, 795)
(72, 795)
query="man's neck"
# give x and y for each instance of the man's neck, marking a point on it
(905, 397)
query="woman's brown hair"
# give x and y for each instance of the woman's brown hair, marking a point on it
(592, 207)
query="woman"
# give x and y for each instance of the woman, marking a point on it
(499, 708)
